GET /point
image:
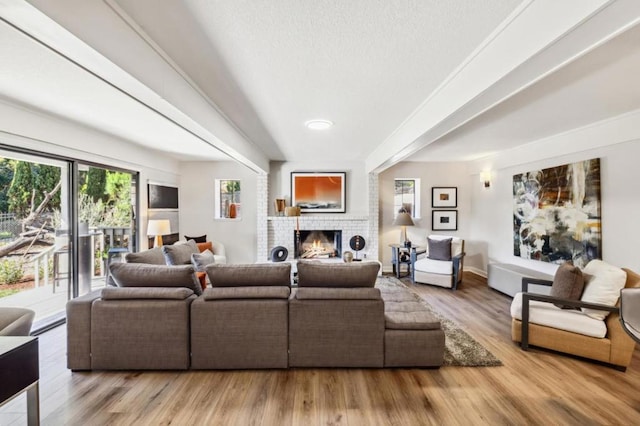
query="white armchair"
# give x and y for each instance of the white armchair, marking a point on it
(442, 262)
(219, 252)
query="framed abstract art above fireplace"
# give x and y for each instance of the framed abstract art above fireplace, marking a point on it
(319, 192)
(556, 213)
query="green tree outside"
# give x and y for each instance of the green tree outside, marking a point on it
(46, 179)
(22, 186)
(96, 184)
(6, 176)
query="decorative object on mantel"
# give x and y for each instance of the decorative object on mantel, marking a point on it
(403, 219)
(357, 243)
(292, 211)
(444, 196)
(319, 192)
(347, 256)
(556, 213)
(158, 228)
(280, 204)
(279, 254)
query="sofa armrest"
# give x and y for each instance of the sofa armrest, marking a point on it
(129, 293)
(247, 292)
(526, 297)
(528, 280)
(323, 293)
(79, 331)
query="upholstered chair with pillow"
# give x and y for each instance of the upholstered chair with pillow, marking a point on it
(442, 262)
(580, 316)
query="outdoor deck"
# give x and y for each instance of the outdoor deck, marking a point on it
(43, 300)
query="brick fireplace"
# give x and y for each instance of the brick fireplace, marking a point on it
(317, 244)
(280, 230)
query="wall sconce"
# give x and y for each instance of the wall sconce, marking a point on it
(485, 178)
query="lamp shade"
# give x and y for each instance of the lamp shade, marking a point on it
(159, 227)
(403, 219)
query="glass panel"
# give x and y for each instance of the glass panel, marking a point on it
(407, 196)
(228, 199)
(106, 222)
(34, 234)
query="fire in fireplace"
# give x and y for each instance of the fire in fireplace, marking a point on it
(318, 244)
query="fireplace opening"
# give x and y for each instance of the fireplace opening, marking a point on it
(318, 244)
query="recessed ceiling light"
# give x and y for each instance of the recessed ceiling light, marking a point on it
(318, 124)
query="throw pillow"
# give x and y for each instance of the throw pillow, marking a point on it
(152, 256)
(205, 246)
(568, 283)
(345, 275)
(144, 275)
(200, 239)
(201, 260)
(439, 249)
(602, 286)
(179, 254)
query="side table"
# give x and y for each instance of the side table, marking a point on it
(19, 372)
(401, 255)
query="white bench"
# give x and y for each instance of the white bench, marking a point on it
(507, 278)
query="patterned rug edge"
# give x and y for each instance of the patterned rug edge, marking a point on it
(461, 350)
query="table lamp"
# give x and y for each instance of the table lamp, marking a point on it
(403, 219)
(158, 228)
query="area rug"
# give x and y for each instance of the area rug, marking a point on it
(460, 348)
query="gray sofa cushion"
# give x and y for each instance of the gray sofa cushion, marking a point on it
(355, 274)
(143, 275)
(152, 256)
(138, 293)
(324, 293)
(253, 274)
(200, 261)
(180, 254)
(257, 292)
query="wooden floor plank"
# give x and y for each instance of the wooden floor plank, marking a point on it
(534, 387)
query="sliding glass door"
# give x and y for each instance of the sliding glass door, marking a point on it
(61, 222)
(35, 216)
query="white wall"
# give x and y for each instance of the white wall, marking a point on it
(357, 183)
(197, 192)
(24, 128)
(616, 142)
(430, 175)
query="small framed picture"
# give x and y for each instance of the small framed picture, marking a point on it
(444, 220)
(444, 196)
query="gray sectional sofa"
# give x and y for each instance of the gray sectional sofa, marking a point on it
(250, 318)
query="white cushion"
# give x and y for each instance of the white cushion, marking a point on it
(456, 243)
(603, 283)
(574, 321)
(444, 267)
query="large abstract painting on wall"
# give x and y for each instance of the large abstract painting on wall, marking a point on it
(556, 213)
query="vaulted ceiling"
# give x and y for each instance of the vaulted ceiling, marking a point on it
(401, 80)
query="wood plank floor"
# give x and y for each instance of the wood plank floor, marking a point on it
(535, 387)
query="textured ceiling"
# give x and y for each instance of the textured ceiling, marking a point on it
(394, 76)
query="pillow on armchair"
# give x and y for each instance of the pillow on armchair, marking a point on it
(568, 283)
(439, 249)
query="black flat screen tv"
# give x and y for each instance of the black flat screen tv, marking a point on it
(162, 197)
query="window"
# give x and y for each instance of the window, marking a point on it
(228, 197)
(406, 196)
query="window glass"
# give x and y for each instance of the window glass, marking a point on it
(228, 199)
(407, 196)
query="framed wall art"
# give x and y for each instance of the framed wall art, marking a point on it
(319, 192)
(444, 220)
(444, 196)
(556, 213)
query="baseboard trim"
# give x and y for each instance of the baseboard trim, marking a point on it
(476, 271)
